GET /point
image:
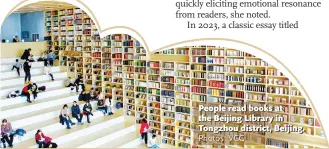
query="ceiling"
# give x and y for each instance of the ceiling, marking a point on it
(44, 6)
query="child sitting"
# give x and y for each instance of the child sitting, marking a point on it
(109, 104)
(152, 142)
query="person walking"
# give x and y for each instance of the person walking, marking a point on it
(76, 112)
(65, 117)
(27, 69)
(51, 57)
(17, 66)
(144, 129)
(7, 133)
(87, 109)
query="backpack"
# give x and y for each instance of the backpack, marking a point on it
(42, 88)
(13, 94)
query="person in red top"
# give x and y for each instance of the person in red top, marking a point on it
(26, 92)
(41, 139)
(144, 129)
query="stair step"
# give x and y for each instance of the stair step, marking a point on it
(34, 71)
(66, 136)
(43, 118)
(110, 137)
(36, 108)
(9, 65)
(91, 137)
(19, 102)
(124, 139)
(54, 127)
(5, 91)
(19, 81)
(135, 143)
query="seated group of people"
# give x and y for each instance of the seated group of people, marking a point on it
(33, 89)
(104, 105)
(7, 136)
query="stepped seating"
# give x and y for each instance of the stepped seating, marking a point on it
(103, 131)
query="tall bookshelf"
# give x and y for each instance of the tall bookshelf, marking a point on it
(167, 88)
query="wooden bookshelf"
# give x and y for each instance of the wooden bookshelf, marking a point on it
(168, 86)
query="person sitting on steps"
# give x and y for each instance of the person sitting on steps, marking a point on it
(65, 117)
(70, 83)
(47, 70)
(79, 82)
(92, 94)
(43, 141)
(87, 110)
(152, 142)
(109, 103)
(35, 91)
(76, 112)
(27, 92)
(102, 106)
(7, 133)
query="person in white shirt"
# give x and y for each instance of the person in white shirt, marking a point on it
(47, 70)
(152, 142)
(109, 103)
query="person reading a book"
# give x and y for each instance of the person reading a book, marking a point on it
(87, 110)
(152, 142)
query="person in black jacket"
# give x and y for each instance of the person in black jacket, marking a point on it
(26, 54)
(76, 112)
(87, 109)
(102, 106)
(79, 82)
(35, 90)
(27, 69)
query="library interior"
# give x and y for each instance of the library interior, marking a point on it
(164, 87)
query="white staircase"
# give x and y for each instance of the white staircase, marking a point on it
(103, 131)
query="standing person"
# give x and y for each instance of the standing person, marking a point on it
(41, 139)
(35, 91)
(27, 92)
(144, 129)
(87, 109)
(27, 70)
(7, 133)
(17, 65)
(102, 106)
(51, 57)
(76, 112)
(152, 142)
(109, 104)
(79, 82)
(65, 116)
(26, 54)
(47, 70)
